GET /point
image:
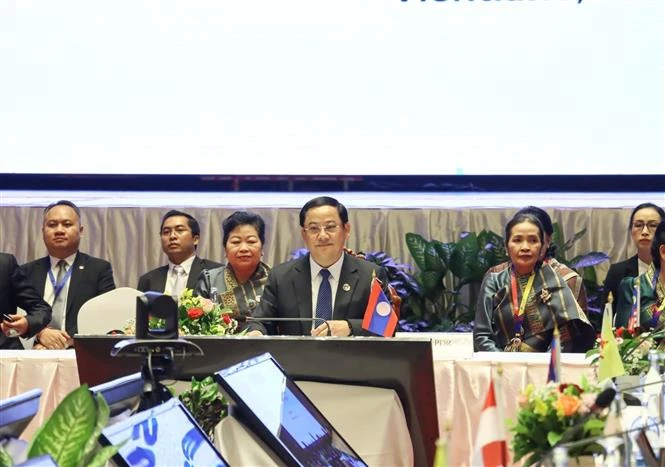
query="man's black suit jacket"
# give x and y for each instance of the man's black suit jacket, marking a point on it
(155, 280)
(288, 294)
(16, 290)
(618, 271)
(90, 277)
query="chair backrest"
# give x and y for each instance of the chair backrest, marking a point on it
(109, 311)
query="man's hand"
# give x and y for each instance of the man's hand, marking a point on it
(16, 327)
(54, 339)
(254, 333)
(338, 327)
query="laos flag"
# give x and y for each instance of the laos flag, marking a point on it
(379, 316)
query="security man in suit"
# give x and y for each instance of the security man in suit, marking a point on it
(66, 278)
(327, 284)
(16, 290)
(180, 234)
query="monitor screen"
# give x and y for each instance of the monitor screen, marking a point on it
(269, 401)
(121, 394)
(17, 411)
(164, 435)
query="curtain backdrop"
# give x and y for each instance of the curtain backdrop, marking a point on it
(128, 237)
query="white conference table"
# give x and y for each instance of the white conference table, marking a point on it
(461, 386)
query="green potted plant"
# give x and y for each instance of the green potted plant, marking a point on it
(70, 434)
(445, 269)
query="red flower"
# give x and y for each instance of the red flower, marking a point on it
(620, 331)
(227, 319)
(194, 313)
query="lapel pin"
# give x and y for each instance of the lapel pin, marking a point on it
(346, 287)
(81, 267)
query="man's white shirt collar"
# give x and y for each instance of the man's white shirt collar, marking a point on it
(69, 260)
(335, 268)
(186, 265)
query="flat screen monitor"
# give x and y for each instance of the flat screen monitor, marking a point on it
(164, 435)
(270, 403)
(121, 394)
(17, 411)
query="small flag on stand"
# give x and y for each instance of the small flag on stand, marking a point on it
(491, 448)
(554, 374)
(634, 320)
(380, 318)
(441, 453)
(610, 364)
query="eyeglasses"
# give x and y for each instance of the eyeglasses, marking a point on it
(315, 230)
(166, 232)
(651, 226)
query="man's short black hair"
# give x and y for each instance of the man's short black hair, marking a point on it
(324, 201)
(193, 223)
(64, 202)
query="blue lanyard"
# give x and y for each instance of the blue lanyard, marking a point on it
(58, 286)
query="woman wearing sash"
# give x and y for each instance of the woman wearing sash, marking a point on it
(239, 284)
(519, 306)
(651, 288)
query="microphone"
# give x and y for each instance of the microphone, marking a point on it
(619, 434)
(249, 319)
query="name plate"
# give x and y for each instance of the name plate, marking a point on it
(445, 345)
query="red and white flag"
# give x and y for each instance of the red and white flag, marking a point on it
(491, 448)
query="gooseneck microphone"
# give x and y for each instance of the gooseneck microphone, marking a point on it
(249, 319)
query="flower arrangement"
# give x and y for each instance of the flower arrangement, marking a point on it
(548, 412)
(633, 347)
(196, 316)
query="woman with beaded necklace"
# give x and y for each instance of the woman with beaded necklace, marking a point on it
(520, 306)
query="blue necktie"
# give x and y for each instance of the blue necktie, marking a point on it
(324, 302)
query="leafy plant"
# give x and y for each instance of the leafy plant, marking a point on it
(70, 434)
(460, 264)
(205, 403)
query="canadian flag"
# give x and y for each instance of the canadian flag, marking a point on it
(491, 448)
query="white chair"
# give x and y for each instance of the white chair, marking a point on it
(108, 312)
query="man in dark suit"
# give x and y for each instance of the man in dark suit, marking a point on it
(16, 290)
(644, 220)
(180, 234)
(304, 288)
(66, 278)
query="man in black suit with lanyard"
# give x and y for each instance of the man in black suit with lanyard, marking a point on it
(16, 290)
(66, 278)
(327, 284)
(180, 234)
